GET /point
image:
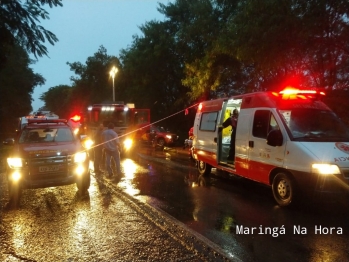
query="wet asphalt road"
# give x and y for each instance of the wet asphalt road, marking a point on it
(58, 224)
(241, 216)
(214, 207)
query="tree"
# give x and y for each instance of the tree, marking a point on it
(18, 26)
(152, 71)
(338, 99)
(17, 83)
(20, 34)
(92, 83)
(209, 70)
(57, 99)
(303, 42)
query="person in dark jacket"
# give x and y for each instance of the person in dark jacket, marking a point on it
(232, 121)
(111, 146)
(98, 150)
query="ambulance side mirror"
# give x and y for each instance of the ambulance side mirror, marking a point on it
(274, 138)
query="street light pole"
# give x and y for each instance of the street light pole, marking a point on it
(112, 73)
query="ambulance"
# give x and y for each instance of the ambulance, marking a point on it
(289, 140)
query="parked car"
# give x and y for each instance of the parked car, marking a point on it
(46, 153)
(159, 135)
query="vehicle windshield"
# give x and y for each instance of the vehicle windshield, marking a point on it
(118, 118)
(42, 135)
(159, 129)
(308, 124)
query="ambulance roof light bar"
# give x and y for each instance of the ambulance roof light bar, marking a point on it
(46, 121)
(291, 93)
(294, 91)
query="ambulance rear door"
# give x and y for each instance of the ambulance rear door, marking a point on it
(206, 130)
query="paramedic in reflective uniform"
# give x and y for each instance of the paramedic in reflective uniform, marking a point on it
(232, 121)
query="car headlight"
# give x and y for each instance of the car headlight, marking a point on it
(169, 136)
(128, 143)
(325, 169)
(15, 176)
(80, 157)
(14, 162)
(88, 143)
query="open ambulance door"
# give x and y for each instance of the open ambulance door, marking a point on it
(219, 137)
(224, 137)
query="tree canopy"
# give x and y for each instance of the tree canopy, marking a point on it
(21, 34)
(205, 49)
(19, 25)
(17, 83)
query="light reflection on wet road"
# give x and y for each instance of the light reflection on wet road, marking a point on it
(215, 206)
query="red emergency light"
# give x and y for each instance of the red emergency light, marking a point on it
(76, 118)
(290, 93)
(200, 107)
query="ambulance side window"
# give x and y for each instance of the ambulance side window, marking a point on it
(208, 121)
(263, 123)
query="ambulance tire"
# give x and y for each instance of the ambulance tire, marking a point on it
(283, 188)
(204, 169)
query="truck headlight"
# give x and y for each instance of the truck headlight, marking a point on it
(325, 169)
(128, 143)
(88, 143)
(15, 176)
(80, 157)
(14, 162)
(80, 170)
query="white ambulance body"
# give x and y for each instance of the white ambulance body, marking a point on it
(289, 140)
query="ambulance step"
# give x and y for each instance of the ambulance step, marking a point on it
(230, 165)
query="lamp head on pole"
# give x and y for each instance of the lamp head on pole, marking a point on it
(113, 72)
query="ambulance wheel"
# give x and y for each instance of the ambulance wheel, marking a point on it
(283, 189)
(204, 169)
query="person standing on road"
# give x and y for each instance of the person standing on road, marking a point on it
(111, 147)
(98, 150)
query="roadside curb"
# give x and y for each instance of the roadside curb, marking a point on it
(189, 239)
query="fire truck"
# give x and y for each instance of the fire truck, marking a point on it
(127, 120)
